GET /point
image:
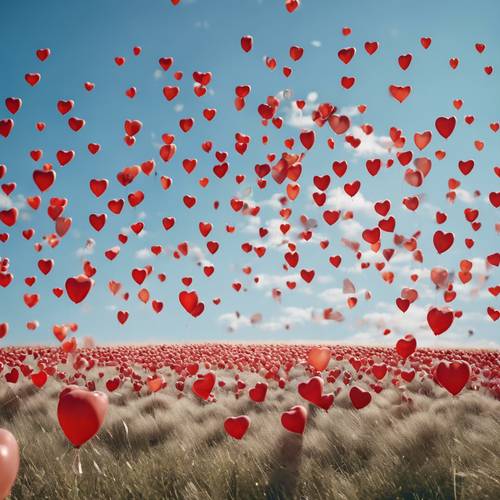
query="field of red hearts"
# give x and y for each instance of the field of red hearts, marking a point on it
(248, 421)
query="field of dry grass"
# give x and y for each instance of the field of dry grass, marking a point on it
(170, 446)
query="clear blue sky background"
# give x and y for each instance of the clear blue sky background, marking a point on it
(85, 37)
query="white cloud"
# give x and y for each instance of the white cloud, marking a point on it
(84, 251)
(5, 202)
(432, 209)
(370, 327)
(199, 256)
(301, 118)
(143, 254)
(252, 225)
(289, 317)
(316, 43)
(468, 293)
(298, 118)
(234, 321)
(323, 279)
(158, 73)
(272, 326)
(202, 24)
(370, 144)
(479, 265)
(351, 229)
(297, 314)
(312, 97)
(349, 111)
(276, 280)
(464, 196)
(273, 202)
(401, 257)
(88, 249)
(338, 199)
(336, 296)
(388, 316)
(274, 238)
(368, 338)
(333, 296)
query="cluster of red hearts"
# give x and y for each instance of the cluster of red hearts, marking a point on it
(363, 372)
(195, 366)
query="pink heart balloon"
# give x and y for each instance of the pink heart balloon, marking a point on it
(9, 462)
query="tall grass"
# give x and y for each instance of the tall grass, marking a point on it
(166, 446)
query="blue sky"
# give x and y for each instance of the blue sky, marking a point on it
(205, 36)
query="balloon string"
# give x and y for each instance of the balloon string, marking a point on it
(77, 463)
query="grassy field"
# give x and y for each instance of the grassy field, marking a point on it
(170, 446)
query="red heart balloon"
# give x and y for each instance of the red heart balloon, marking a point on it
(445, 125)
(237, 427)
(359, 397)
(78, 287)
(204, 385)
(81, 413)
(406, 346)
(258, 393)
(439, 319)
(312, 391)
(295, 419)
(319, 357)
(453, 375)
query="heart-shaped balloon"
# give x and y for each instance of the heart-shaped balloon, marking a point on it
(81, 413)
(9, 462)
(295, 419)
(237, 427)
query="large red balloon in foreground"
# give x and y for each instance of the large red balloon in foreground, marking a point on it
(81, 413)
